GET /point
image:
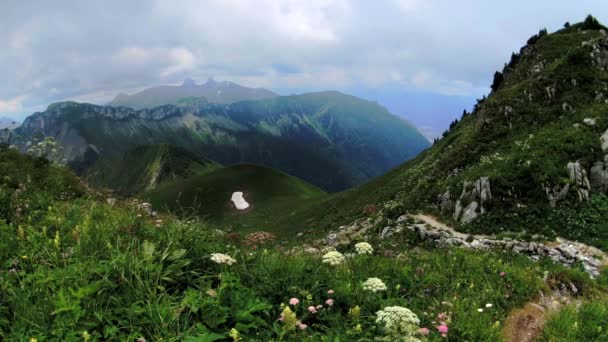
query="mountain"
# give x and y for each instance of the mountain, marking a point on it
(208, 195)
(146, 167)
(532, 158)
(213, 91)
(328, 139)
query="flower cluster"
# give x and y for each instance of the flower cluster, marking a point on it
(364, 248)
(398, 323)
(374, 285)
(333, 258)
(220, 258)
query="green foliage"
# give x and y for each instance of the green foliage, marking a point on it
(498, 78)
(578, 323)
(591, 23)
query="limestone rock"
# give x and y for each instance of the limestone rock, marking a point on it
(474, 195)
(599, 176)
(578, 176)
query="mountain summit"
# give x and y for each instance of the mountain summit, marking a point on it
(216, 92)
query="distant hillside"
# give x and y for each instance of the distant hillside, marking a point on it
(216, 92)
(147, 167)
(328, 139)
(531, 158)
(208, 195)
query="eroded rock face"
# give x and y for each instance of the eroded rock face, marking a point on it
(556, 193)
(578, 177)
(599, 53)
(599, 176)
(471, 202)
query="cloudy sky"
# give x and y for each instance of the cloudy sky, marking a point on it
(425, 60)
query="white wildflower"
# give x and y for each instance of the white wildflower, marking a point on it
(374, 285)
(220, 258)
(333, 258)
(364, 248)
(398, 324)
(488, 305)
(480, 310)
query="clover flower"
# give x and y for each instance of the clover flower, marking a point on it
(398, 324)
(329, 302)
(312, 309)
(374, 285)
(294, 301)
(333, 258)
(364, 248)
(220, 258)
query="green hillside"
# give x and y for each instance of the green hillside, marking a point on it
(76, 268)
(331, 140)
(146, 167)
(548, 109)
(208, 195)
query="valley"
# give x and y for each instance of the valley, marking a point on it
(220, 212)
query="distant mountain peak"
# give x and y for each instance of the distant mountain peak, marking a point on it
(223, 92)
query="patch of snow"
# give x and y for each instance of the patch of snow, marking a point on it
(239, 201)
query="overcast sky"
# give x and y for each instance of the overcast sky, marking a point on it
(424, 59)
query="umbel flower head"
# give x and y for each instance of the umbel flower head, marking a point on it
(220, 258)
(398, 324)
(364, 248)
(374, 285)
(333, 258)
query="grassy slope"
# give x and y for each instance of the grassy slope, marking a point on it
(97, 271)
(519, 160)
(146, 167)
(208, 196)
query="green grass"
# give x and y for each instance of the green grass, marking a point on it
(75, 268)
(269, 192)
(146, 167)
(578, 323)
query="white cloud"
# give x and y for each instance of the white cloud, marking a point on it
(12, 105)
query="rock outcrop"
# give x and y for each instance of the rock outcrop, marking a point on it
(599, 176)
(578, 177)
(471, 202)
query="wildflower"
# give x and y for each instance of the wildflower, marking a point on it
(480, 310)
(333, 258)
(364, 248)
(57, 239)
(374, 285)
(294, 301)
(355, 311)
(330, 292)
(425, 331)
(289, 319)
(236, 336)
(329, 302)
(33, 339)
(443, 329)
(502, 274)
(301, 325)
(85, 336)
(312, 309)
(24, 257)
(220, 258)
(358, 328)
(398, 323)
(488, 305)
(211, 293)
(319, 307)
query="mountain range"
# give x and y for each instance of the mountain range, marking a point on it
(213, 91)
(329, 139)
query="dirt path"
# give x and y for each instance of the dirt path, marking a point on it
(586, 249)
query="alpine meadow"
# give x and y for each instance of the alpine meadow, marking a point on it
(292, 196)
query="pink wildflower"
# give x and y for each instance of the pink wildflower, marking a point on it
(281, 318)
(312, 309)
(329, 302)
(302, 326)
(330, 292)
(424, 331)
(294, 301)
(502, 274)
(443, 329)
